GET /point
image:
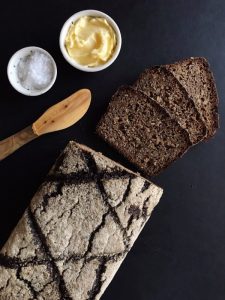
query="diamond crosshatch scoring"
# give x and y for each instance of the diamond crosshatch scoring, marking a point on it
(112, 225)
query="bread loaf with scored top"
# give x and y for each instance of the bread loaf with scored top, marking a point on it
(77, 231)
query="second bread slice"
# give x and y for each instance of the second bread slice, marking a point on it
(141, 130)
(165, 89)
(195, 75)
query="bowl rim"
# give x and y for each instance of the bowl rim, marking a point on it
(75, 17)
(19, 88)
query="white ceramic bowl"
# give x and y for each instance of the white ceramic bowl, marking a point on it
(13, 74)
(74, 18)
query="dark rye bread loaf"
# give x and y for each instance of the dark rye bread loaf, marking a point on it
(141, 130)
(165, 89)
(80, 225)
(195, 75)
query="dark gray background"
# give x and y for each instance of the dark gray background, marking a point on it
(181, 252)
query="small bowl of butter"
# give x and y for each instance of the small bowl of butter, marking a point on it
(90, 40)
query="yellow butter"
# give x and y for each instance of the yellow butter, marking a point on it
(90, 41)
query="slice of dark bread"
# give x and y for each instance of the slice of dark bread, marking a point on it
(164, 88)
(195, 75)
(140, 129)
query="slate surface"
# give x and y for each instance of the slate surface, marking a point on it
(181, 252)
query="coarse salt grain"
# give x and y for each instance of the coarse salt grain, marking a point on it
(35, 71)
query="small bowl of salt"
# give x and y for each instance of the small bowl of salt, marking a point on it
(32, 71)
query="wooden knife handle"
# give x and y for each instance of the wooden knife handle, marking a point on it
(15, 141)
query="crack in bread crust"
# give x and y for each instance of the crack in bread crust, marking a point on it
(42, 239)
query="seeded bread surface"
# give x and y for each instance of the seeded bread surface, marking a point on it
(164, 88)
(80, 225)
(141, 130)
(196, 77)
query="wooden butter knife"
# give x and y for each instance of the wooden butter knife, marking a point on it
(59, 116)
